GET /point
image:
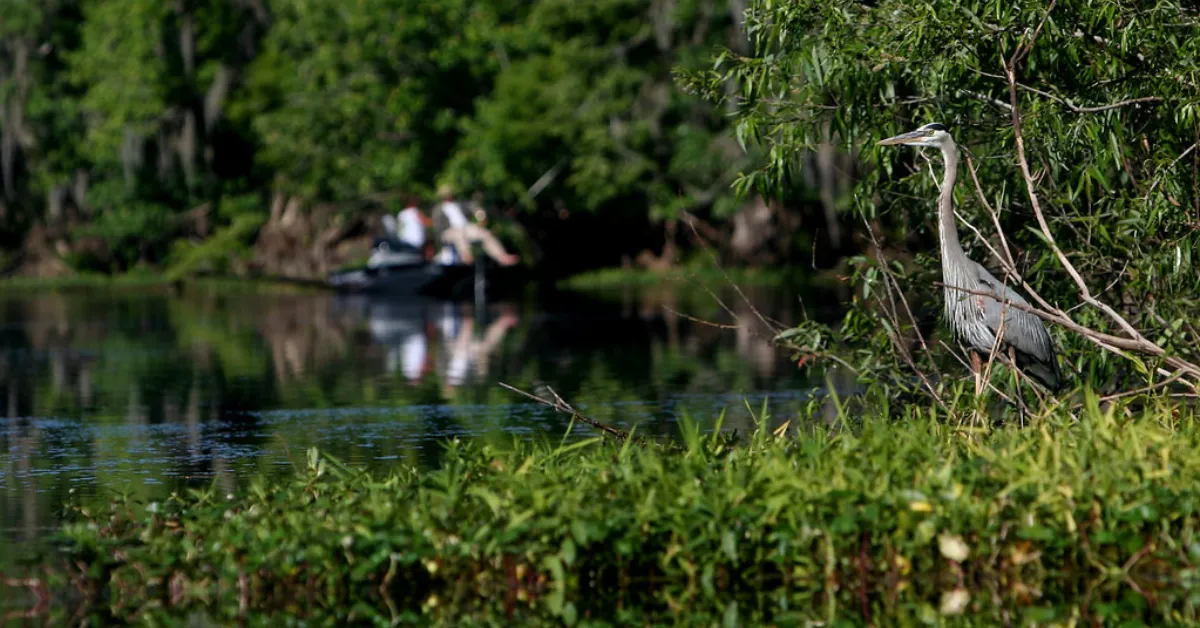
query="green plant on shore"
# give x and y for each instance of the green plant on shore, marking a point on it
(149, 281)
(706, 274)
(1082, 516)
(214, 255)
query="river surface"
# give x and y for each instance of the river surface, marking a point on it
(144, 392)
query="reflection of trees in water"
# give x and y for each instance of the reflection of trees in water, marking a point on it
(79, 365)
(301, 337)
(25, 441)
(730, 315)
(249, 353)
(201, 364)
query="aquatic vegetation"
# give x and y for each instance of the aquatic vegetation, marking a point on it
(1080, 515)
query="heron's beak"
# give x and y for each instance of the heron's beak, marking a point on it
(903, 138)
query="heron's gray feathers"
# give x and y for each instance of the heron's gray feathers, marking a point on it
(1021, 330)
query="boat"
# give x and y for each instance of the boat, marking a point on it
(399, 270)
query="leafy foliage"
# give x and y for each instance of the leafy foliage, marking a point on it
(548, 108)
(215, 254)
(909, 518)
(1107, 98)
(355, 99)
(589, 91)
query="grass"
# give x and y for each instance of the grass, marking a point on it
(1081, 516)
(85, 280)
(141, 281)
(621, 277)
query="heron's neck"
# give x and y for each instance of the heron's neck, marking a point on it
(947, 231)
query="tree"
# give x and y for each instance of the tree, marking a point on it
(585, 119)
(354, 99)
(132, 130)
(34, 105)
(1104, 97)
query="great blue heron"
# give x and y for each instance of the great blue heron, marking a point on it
(977, 319)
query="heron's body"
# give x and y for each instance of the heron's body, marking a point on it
(977, 319)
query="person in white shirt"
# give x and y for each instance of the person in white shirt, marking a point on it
(461, 233)
(412, 222)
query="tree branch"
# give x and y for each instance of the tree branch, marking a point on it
(1097, 109)
(558, 404)
(1108, 341)
(1158, 179)
(1067, 103)
(1030, 184)
(1136, 342)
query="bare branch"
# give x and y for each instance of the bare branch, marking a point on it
(1030, 184)
(1023, 51)
(1070, 105)
(559, 405)
(1097, 109)
(1143, 346)
(716, 262)
(1153, 387)
(1116, 105)
(1008, 258)
(996, 342)
(700, 321)
(892, 284)
(986, 98)
(1158, 179)
(1114, 344)
(964, 364)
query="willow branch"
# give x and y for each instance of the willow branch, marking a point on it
(1096, 109)
(1114, 344)
(1008, 256)
(1148, 389)
(1070, 105)
(1158, 179)
(891, 284)
(959, 358)
(1030, 184)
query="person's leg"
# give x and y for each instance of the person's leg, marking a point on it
(491, 245)
(457, 238)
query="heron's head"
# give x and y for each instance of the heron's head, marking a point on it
(933, 134)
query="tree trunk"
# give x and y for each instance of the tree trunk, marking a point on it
(740, 43)
(131, 156)
(187, 41)
(8, 157)
(751, 230)
(55, 199)
(13, 134)
(214, 100)
(827, 186)
(79, 190)
(187, 148)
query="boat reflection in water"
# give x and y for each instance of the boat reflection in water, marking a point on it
(458, 335)
(418, 336)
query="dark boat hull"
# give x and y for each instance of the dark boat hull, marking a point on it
(429, 280)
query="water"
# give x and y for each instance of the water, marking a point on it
(142, 393)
